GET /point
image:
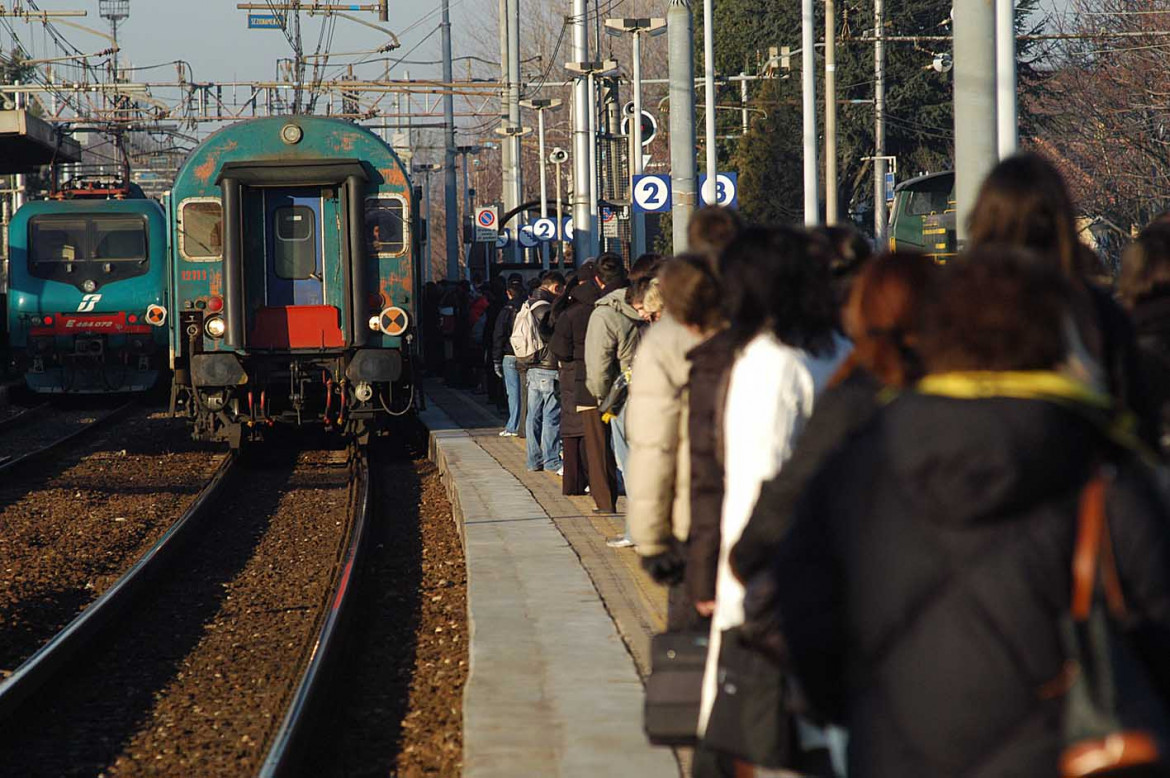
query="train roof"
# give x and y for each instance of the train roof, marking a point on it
(257, 150)
(914, 183)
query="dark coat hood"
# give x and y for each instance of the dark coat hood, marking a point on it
(960, 461)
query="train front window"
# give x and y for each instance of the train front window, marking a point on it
(296, 245)
(119, 239)
(201, 230)
(386, 233)
(53, 239)
(926, 201)
(99, 247)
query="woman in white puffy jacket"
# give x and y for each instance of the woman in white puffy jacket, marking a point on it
(783, 317)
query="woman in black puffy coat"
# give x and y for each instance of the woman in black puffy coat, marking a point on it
(928, 568)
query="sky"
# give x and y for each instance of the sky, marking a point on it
(214, 37)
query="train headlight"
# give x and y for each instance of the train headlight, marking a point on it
(215, 327)
(376, 322)
(88, 285)
(363, 392)
(156, 315)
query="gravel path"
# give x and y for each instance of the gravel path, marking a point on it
(398, 709)
(93, 514)
(199, 679)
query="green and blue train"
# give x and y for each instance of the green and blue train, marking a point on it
(87, 293)
(294, 267)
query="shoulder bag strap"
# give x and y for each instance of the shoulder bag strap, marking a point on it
(1094, 552)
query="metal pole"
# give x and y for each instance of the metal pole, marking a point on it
(429, 268)
(451, 203)
(808, 82)
(881, 216)
(582, 227)
(975, 125)
(830, 112)
(543, 186)
(560, 223)
(507, 162)
(743, 103)
(1005, 77)
(514, 117)
(639, 221)
(466, 214)
(680, 32)
(710, 195)
(594, 222)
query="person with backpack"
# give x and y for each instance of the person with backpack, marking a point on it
(543, 426)
(503, 356)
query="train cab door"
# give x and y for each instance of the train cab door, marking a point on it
(296, 312)
(294, 267)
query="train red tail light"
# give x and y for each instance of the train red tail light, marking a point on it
(132, 318)
(48, 321)
(215, 304)
(376, 301)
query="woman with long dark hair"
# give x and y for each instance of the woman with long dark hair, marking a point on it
(882, 318)
(1024, 203)
(783, 322)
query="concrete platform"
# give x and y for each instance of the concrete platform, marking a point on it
(553, 687)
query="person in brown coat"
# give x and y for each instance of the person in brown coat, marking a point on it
(579, 415)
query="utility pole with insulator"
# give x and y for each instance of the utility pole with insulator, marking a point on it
(450, 201)
(975, 120)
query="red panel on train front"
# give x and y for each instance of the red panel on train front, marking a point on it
(297, 326)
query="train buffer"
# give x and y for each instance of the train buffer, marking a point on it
(560, 624)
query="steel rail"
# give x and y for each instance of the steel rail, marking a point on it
(281, 758)
(39, 453)
(28, 413)
(41, 666)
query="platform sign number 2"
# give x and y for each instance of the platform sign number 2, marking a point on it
(652, 193)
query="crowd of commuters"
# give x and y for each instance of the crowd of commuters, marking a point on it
(870, 475)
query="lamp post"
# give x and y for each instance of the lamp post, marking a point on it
(426, 171)
(468, 212)
(558, 157)
(517, 132)
(637, 27)
(591, 70)
(540, 106)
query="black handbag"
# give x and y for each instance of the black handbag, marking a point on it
(675, 687)
(1115, 724)
(750, 718)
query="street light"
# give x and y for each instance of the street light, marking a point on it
(540, 106)
(426, 171)
(637, 27)
(590, 70)
(463, 151)
(558, 157)
(513, 131)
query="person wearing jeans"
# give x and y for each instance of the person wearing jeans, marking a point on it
(503, 356)
(512, 386)
(543, 427)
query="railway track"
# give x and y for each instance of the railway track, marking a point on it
(21, 446)
(256, 597)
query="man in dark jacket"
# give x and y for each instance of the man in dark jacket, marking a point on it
(569, 345)
(504, 358)
(543, 426)
(927, 572)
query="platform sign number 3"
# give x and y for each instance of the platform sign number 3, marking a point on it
(652, 193)
(726, 192)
